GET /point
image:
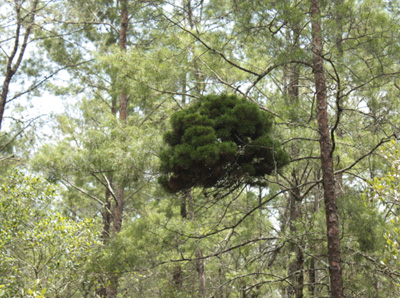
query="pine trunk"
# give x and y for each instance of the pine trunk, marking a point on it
(296, 266)
(119, 189)
(328, 176)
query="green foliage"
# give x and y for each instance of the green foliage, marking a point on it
(41, 250)
(385, 190)
(212, 143)
(365, 224)
(219, 141)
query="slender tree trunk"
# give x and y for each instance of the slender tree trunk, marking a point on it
(123, 98)
(221, 279)
(107, 216)
(119, 189)
(328, 178)
(295, 270)
(187, 207)
(119, 208)
(199, 264)
(296, 267)
(339, 46)
(201, 273)
(177, 274)
(183, 207)
(177, 278)
(198, 75)
(199, 254)
(107, 211)
(106, 233)
(312, 273)
(312, 278)
(123, 105)
(14, 59)
(4, 94)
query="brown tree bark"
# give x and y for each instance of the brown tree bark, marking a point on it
(14, 59)
(107, 216)
(296, 266)
(123, 106)
(106, 233)
(312, 273)
(119, 208)
(339, 46)
(177, 273)
(107, 212)
(177, 277)
(201, 273)
(123, 99)
(119, 189)
(198, 75)
(328, 177)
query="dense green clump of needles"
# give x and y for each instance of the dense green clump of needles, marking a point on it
(219, 141)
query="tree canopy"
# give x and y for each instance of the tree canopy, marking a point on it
(273, 114)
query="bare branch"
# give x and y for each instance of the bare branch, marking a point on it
(19, 132)
(381, 142)
(66, 182)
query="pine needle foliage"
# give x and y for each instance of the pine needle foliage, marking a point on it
(219, 141)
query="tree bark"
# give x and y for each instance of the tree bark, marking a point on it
(119, 208)
(312, 273)
(296, 267)
(123, 100)
(106, 233)
(199, 264)
(328, 178)
(123, 106)
(339, 46)
(199, 85)
(201, 273)
(107, 216)
(119, 189)
(177, 277)
(295, 270)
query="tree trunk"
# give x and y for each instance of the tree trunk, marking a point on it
(123, 99)
(123, 106)
(295, 270)
(328, 178)
(187, 201)
(119, 189)
(199, 85)
(12, 66)
(201, 273)
(119, 208)
(4, 94)
(312, 273)
(106, 233)
(107, 216)
(296, 267)
(177, 278)
(339, 46)
(199, 264)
